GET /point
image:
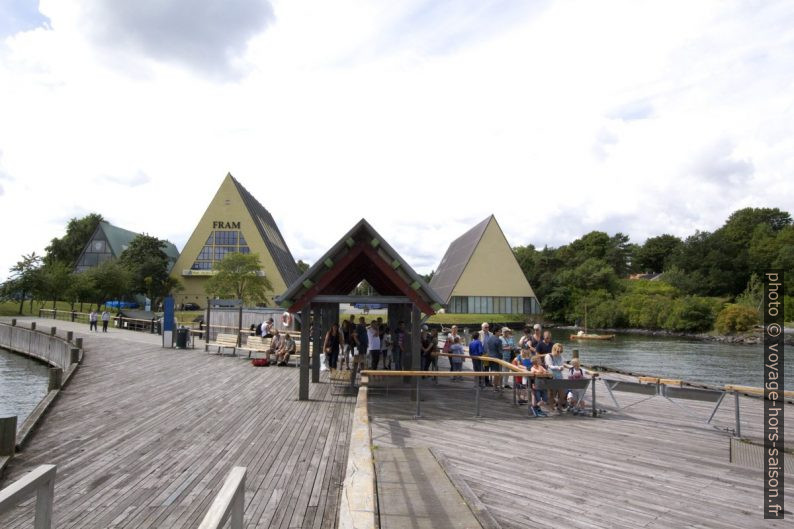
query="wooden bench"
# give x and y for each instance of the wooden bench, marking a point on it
(223, 341)
(256, 346)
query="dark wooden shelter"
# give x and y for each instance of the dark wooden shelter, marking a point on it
(361, 254)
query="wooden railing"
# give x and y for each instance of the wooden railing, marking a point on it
(229, 503)
(41, 482)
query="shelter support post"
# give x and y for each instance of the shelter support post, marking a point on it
(303, 386)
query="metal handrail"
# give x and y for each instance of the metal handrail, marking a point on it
(41, 482)
(229, 502)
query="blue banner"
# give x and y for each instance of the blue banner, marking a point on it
(168, 314)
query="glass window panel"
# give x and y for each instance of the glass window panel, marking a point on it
(211, 238)
(490, 304)
(242, 239)
(98, 247)
(508, 305)
(245, 249)
(464, 307)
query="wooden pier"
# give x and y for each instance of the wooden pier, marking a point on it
(144, 437)
(649, 466)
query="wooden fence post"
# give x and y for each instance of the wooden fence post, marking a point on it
(13, 322)
(8, 435)
(53, 330)
(69, 336)
(74, 355)
(78, 342)
(33, 326)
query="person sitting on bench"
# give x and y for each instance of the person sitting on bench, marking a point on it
(275, 343)
(287, 348)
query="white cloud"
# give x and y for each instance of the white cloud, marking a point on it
(424, 118)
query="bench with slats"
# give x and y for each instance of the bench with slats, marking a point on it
(223, 341)
(254, 345)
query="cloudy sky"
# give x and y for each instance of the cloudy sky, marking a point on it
(424, 116)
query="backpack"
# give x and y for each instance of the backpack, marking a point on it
(260, 362)
(259, 330)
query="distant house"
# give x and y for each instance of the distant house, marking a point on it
(109, 242)
(479, 274)
(646, 277)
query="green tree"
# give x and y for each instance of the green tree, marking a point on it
(239, 276)
(111, 281)
(68, 248)
(655, 255)
(54, 281)
(24, 279)
(81, 289)
(147, 262)
(302, 265)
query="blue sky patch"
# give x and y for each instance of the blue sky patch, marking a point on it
(20, 15)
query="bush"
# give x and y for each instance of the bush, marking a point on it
(735, 318)
(690, 314)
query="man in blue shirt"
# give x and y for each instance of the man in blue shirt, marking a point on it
(544, 347)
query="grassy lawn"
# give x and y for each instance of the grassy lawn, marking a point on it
(11, 308)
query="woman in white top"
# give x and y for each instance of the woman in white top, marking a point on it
(373, 345)
(555, 363)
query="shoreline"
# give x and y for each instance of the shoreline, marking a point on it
(750, 338)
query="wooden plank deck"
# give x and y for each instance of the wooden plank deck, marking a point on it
(144, 437)
(651, 466)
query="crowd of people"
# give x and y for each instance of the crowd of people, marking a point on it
(376, 346)
(535, 352)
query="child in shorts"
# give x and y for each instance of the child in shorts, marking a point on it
(539, 396)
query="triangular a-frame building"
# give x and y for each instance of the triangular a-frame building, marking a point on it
(233, 222)
(479, 274)
(109, 242)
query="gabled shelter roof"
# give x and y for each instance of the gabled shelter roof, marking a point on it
(455, 260)
(361, 254)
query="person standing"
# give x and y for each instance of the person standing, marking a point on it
(398, 346)
(536, 338)
(544, 346)
(475, 351)
(347, 350)
(508, 345)
(373, 343)
(555, 365)
(362, 341)
(383, 345)
(493, 349)
(456, 362)
(333, 341)
(105, 320)
(92, 319)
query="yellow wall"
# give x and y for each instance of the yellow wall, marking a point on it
(226, 206)
(493, 269)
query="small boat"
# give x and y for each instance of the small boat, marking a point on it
(590, 336)
(584, 335)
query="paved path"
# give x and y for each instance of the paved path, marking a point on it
(414, 492)
(144, 437)
(650, 467)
